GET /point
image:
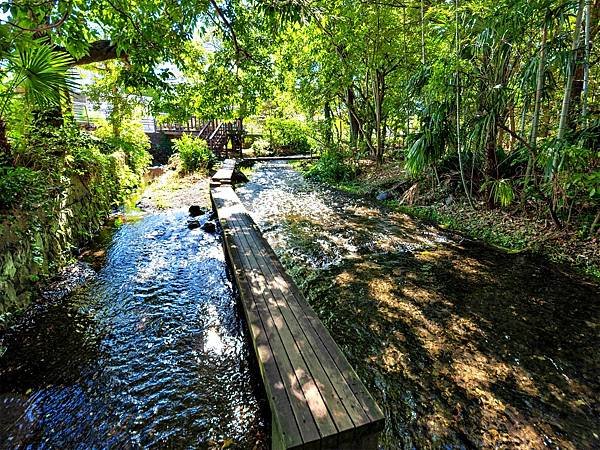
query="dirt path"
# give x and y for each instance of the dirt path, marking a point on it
(172, 190)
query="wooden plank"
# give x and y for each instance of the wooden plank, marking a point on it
(348, 386)
(299, 404)
(317, 380)
(370, 407)
(326, 407)
(305, 315)
(307, 384)
(340, 402)
(280, 158)
(225, 172)
(284, 420)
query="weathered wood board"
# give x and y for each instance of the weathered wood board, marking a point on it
(317, 401)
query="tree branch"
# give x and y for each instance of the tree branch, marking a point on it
(517, 137)
(99, 51)
(46, 27)
(238, 48)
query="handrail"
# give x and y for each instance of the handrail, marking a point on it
(212, 136)
(201, 132)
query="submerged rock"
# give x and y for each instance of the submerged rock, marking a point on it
(192, 224)
(196, 210)
(209, 227)
(68, 280)
(384, 196)
(239, 177)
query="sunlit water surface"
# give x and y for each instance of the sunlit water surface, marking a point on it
(150, 352)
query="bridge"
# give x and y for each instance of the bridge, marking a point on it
(224, 138)
(316, 399)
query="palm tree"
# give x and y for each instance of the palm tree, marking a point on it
(36, 72)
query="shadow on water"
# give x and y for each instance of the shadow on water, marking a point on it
(463, 346)
(151, 352)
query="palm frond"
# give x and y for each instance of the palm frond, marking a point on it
(42, 74)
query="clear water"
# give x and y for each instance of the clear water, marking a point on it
(150, 352)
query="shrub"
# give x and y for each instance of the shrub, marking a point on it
(500, 190)
(132, 141)
(193, 153)
(48, 159)
(331, 166)
(260, 147)
(288, 134)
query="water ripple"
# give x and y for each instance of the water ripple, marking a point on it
(150, 353)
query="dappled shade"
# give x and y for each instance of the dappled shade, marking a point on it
(460, 343)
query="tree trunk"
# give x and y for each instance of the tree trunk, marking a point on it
(569, 79)
(378, 96)
(457, 105)
(575, 102)
(4, 144)
(491, 161)
(352, 118)
(536, 111)
(586, 66)
(422, 33)
(328, 133)
(564, 114)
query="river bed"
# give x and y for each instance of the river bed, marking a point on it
(463, 346)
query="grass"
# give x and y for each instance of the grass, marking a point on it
(514, 241)
(510, 236)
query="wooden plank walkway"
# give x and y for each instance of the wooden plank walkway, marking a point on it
(317, 401)
(280, 158)
(225, 173)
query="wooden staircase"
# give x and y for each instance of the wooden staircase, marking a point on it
(217, 134)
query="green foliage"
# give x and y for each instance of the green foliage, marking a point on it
(53, 149)
(109, 87)
(331, 167)
(290, 135)
(39, 72)
(430, 143)
(194, 153)
(47, 158)
(501, 191)
(20, 187)
(210, 89)
(132, 141)
(260, 147)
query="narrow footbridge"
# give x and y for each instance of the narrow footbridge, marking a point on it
(316, 399)
(280, 158)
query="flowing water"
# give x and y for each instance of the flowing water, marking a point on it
(150, 352)
(463, 346)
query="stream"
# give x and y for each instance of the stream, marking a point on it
(463, 345)
(149, 353)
